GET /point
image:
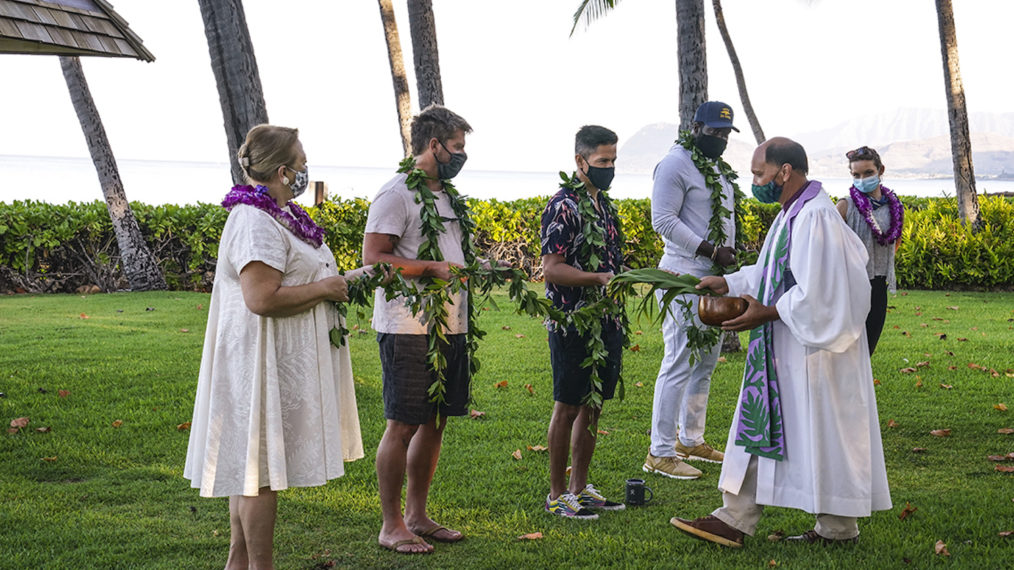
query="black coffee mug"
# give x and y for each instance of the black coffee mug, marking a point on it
(635, 492)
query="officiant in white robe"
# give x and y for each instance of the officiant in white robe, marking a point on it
(821, 452)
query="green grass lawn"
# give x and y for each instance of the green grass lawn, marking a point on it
(88, 494)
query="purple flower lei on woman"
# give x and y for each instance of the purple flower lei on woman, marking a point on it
(865, 207)
(299, 223)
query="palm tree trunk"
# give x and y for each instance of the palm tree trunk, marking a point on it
(139, 266)
(957, 115)
(401, 95)
(424, 52)
(691, 54)
(740, 79)
(235, 67)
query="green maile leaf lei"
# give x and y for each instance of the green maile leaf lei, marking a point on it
(700, 340)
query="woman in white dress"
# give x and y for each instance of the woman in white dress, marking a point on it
(275, 405)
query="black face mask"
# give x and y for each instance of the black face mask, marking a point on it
(600, 178)
(710, 145)
(451, 168)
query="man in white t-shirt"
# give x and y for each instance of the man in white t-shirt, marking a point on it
(394, 232)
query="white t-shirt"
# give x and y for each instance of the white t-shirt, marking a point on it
(394, 211)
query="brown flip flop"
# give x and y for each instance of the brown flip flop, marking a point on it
(431, 533)
(393, 547)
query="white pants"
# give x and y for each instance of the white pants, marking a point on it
(742, 512)
(681, 390)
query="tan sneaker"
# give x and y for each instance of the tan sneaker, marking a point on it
(673, 467)
(702, 452)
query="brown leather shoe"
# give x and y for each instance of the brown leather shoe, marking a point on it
(811, 537)
(710, 528)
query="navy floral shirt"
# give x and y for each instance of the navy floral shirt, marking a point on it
(561, 234)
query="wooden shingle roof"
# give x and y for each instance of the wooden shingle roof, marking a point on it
(67, 27)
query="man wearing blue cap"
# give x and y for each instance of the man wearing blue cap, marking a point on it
(697, 223)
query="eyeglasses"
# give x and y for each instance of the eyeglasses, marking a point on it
(861, 152)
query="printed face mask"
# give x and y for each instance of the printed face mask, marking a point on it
(710, 145)
(767, 193)
(866, 185)
(451, 168)
(301, 181)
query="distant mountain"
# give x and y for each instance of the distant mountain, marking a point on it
(914, 143)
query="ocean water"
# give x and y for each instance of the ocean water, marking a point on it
(60, 180)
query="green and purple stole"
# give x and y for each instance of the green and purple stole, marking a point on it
(760, 412)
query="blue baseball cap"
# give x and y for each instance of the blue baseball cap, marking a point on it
(715, 114)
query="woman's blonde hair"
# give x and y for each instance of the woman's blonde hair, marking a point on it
(266, 148)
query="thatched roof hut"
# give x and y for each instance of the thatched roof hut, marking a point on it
(67, 27)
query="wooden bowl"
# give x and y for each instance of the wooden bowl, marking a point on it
(713, 311)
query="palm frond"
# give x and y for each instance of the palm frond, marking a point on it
(592, 10)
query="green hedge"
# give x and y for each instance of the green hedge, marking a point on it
(58, 248)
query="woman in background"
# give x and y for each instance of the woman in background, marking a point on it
(275, 405)
(876, 215)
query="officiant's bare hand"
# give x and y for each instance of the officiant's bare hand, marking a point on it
(714, 282)
(756, 315)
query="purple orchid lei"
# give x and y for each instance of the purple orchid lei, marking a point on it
(299, 223)
(865, 207)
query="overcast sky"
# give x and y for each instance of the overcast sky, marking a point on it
(511, 70)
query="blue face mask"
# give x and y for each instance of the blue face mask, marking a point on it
(866, 185)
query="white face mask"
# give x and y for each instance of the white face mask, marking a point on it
(298, 185)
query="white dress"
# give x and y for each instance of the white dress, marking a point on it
(275, 405)
(834, 459)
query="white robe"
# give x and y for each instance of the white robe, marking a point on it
(834, 459)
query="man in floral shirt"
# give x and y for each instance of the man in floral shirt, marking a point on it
(580, 254)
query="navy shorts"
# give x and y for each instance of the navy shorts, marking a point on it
(407, 377)
(571, 382)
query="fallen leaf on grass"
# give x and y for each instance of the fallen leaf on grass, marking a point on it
(149, 308)
(962, 339)
(117, 423)
(13, 430)
(941, 548)
(474, 414)
(941, 432)
(953, 307)
(200, 306)
(1004, 468)
(531, 536)
(638, 332)
(506, 327)
(776, 535)
(519, 335)
(19, 422)
(1008, 457)
(639, 384)
(908, 370)
(537, 448)
(892, 424)
(722, 359)
(975, 366)
(1005, 533)
(772, 563)
(183, 426)
(63, 393)
(49, 459)
(946, 386)
(942, 336)
(918, 381)
(602, 432)
(909, 509)
(918, 450)
(516, 454)
(1001, 406)
(922, 364)
(923, 325)
(905, 333)
(952, 367)
(184, 330)
(500, 384)
(530, 388)
(635, 348)
(84, 316)
(1005, 431)
(44, 429)
(876, 382)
